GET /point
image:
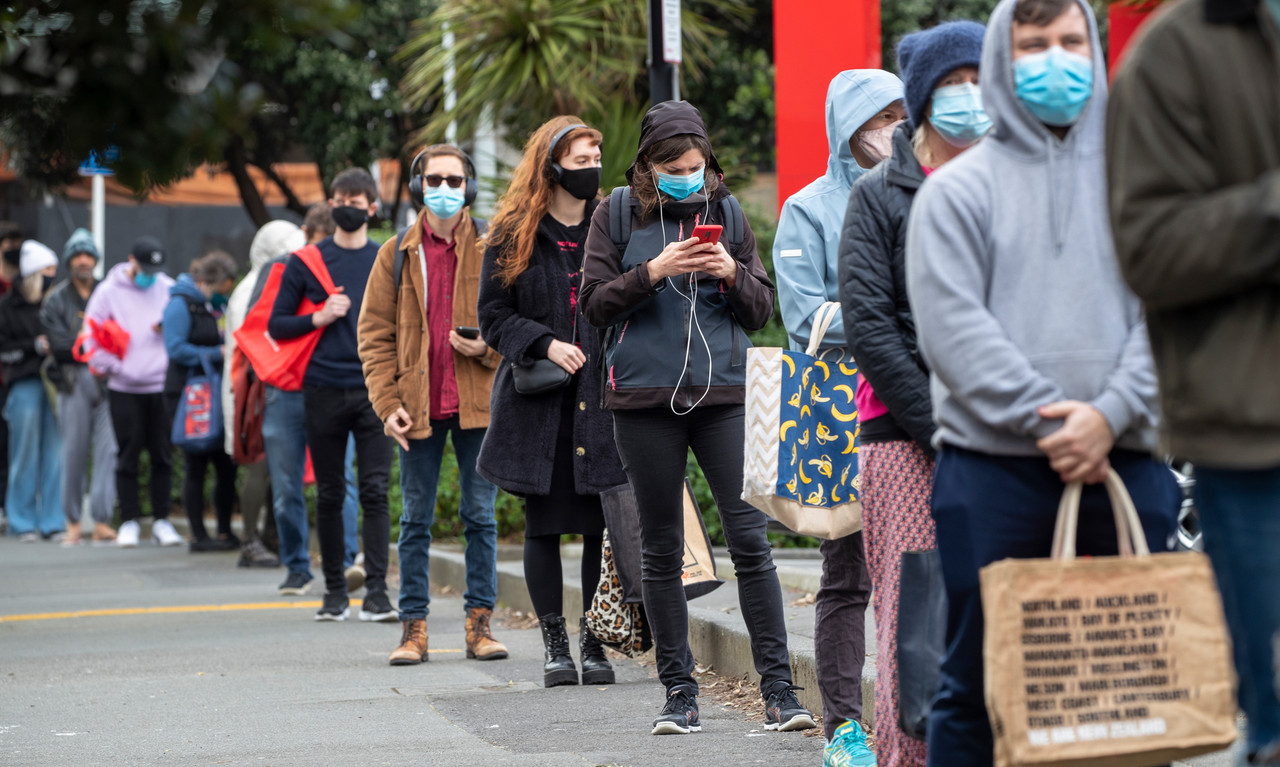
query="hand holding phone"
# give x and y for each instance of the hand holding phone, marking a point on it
(470, 334)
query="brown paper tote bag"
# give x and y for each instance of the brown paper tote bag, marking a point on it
(1107, 662)
(800, 457)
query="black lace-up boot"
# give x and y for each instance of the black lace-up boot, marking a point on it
(558, 668)
(595, 664)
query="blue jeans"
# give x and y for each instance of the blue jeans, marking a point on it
(285, 441)
(419, 478)
(989, 508)
(1240, 514)
(34, 498)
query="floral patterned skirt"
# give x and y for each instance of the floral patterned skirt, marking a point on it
(897, 486)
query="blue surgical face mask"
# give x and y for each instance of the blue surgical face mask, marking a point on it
(1054, 85)
(680, 187)
(143, 280)
(443, 200)
(957, 114)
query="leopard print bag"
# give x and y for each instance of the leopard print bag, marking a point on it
(616, 623)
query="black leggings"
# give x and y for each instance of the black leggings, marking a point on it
(224, 491)
(546, 578)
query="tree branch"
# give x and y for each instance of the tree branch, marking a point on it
(250, 198)
(291, 200)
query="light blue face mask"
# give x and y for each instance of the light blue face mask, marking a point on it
(144, 280)
(443, 200)
(1055, 85)
(958, 115)
(680, 187)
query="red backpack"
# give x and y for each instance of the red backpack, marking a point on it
(282, 363)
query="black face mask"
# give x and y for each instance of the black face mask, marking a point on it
(45, 283)
(583, 183)
(13, 256)
(348, 218)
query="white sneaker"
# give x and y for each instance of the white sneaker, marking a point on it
(127, 536)
(162, 532)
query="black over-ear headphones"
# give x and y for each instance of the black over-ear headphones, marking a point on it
(551, 151)
(415, 179)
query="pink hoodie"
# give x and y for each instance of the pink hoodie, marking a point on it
(139, 312)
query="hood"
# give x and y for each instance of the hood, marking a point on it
(670, 118)
(275, 238)
(1016, 129)
(186, 287)
(80, 241)
(854, 96)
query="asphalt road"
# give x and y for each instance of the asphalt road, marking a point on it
(156, 656)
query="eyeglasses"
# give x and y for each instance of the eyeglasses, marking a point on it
(433, 180)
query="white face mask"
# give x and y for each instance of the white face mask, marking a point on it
(878, 144)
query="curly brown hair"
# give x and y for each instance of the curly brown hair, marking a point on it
(643, 186)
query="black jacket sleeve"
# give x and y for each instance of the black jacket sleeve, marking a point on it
(58, 317)
(868, 297)
(285, 321)
(515, 337)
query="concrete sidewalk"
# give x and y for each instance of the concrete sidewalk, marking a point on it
(717, 634)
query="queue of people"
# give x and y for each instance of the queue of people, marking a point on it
(997, 239)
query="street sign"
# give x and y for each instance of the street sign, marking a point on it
(671, 47)
(97, 165)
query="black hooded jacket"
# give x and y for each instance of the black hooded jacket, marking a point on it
(656, 333)
(873, 294)
(19, 327)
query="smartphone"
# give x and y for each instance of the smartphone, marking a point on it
(708, 232)
(468, 333)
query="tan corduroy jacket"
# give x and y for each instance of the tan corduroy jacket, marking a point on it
(393, 338)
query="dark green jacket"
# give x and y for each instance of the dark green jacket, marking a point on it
(1193, 165)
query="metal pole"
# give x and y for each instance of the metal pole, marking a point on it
(97, 221)
(664, 83)
(450, 95)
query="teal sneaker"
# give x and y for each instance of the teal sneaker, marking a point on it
(848, 748)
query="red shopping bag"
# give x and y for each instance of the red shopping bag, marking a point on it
(282, 363)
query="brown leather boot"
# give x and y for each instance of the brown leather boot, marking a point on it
(480, 642)
(413, 644)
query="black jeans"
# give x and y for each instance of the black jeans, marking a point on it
(224, 491)
(331, 415)
(142, 421)
(654, 445)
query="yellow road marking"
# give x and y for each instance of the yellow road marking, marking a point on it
(165, 610)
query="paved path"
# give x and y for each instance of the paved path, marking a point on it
(187, 660)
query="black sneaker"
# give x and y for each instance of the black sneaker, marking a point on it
(296, 584)
(377, 607)
(679, 716)
(335, 608)
(782, 712)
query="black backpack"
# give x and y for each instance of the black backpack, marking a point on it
(620, 219)
(482, 226)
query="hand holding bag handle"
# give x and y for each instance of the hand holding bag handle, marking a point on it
(1129, 534)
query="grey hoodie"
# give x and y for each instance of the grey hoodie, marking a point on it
(1013, 278)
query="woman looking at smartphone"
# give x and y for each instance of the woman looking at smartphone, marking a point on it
(528, 311)
(676, 307)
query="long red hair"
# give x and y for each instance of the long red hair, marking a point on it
(515, 224)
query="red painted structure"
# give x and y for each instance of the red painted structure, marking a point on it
(812, 41)
(1124, 23)
(815, 39)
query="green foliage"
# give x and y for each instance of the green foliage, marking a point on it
(147, 77)
(735, 96)
(619, 122)
(537, 58)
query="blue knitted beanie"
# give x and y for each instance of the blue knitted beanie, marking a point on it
(926, 57)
